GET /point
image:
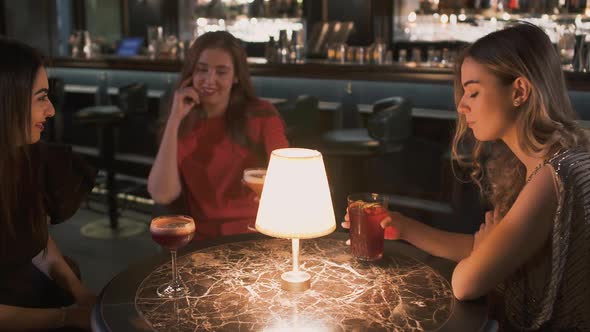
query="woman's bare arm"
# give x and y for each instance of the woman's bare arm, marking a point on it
(453, 246)
(514, 240)
(164, 180)
(25, 319)
(55, 267)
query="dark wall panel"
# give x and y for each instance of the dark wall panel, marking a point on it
(358, 11)
(143, 13)
(382, 21)
(312, 11)
(32, 22)
(2, 18)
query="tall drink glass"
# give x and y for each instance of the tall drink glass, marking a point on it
(173, 232)
(365, 212)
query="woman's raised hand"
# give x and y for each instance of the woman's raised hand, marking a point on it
(185, 99)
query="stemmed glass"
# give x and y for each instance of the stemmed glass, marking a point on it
(173, 232)
(254, 179)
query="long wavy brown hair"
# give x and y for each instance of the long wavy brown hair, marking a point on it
(242, 92)
(546, 122)
(20, 194)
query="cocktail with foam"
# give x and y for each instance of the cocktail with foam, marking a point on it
(173, 232)
(254, 179)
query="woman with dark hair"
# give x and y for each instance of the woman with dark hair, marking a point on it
(531, 160)
(215, 129)
(38, 183)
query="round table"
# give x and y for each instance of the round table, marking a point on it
(234, 285)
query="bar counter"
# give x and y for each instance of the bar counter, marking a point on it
(309, 69)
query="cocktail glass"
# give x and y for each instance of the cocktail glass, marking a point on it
(254, 179)
(173, 232)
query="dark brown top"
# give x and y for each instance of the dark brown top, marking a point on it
(64, 180)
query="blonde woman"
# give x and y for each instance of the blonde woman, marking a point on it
(531, 160)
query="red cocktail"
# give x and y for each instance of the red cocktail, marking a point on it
(172, 233)
(366, 211)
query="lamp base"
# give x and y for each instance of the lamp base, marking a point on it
(295, 281)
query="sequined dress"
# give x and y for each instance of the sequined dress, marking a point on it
(552, 291)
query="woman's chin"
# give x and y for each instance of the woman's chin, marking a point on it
(478, 136)
(483, 138)
(34, 139)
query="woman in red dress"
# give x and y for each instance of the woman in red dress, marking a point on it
(216, 128)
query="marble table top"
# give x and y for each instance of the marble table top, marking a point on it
(236, 287)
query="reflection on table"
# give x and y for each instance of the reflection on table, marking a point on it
(236, 286)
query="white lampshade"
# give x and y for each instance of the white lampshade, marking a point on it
(295, 201)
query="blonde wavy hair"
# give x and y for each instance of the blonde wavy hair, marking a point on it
(546, 122)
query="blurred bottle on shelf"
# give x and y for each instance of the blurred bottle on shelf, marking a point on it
(283, 48)
(271, 50)
(402, 56)
(297, 46)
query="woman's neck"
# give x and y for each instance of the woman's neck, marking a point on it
(529, 162)
(215, 110)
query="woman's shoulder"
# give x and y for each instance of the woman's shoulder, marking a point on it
(569, 152)
(67, 179)
(571, 161)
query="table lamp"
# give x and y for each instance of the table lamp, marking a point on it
(295, 204)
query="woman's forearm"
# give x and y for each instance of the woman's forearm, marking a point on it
(164, 179)
(26, 319)
(453, 246)
(55, 267)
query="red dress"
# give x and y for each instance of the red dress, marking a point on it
(211, 167)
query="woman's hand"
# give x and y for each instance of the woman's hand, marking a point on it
(485, 229)
(85, 297)
(185, 99)
(78, 317)
(390, 224)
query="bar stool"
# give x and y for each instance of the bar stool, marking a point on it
(349, 151)
(302, 121)
(106, 118)
(388, 128)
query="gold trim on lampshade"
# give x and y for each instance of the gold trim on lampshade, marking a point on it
(295, 201)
